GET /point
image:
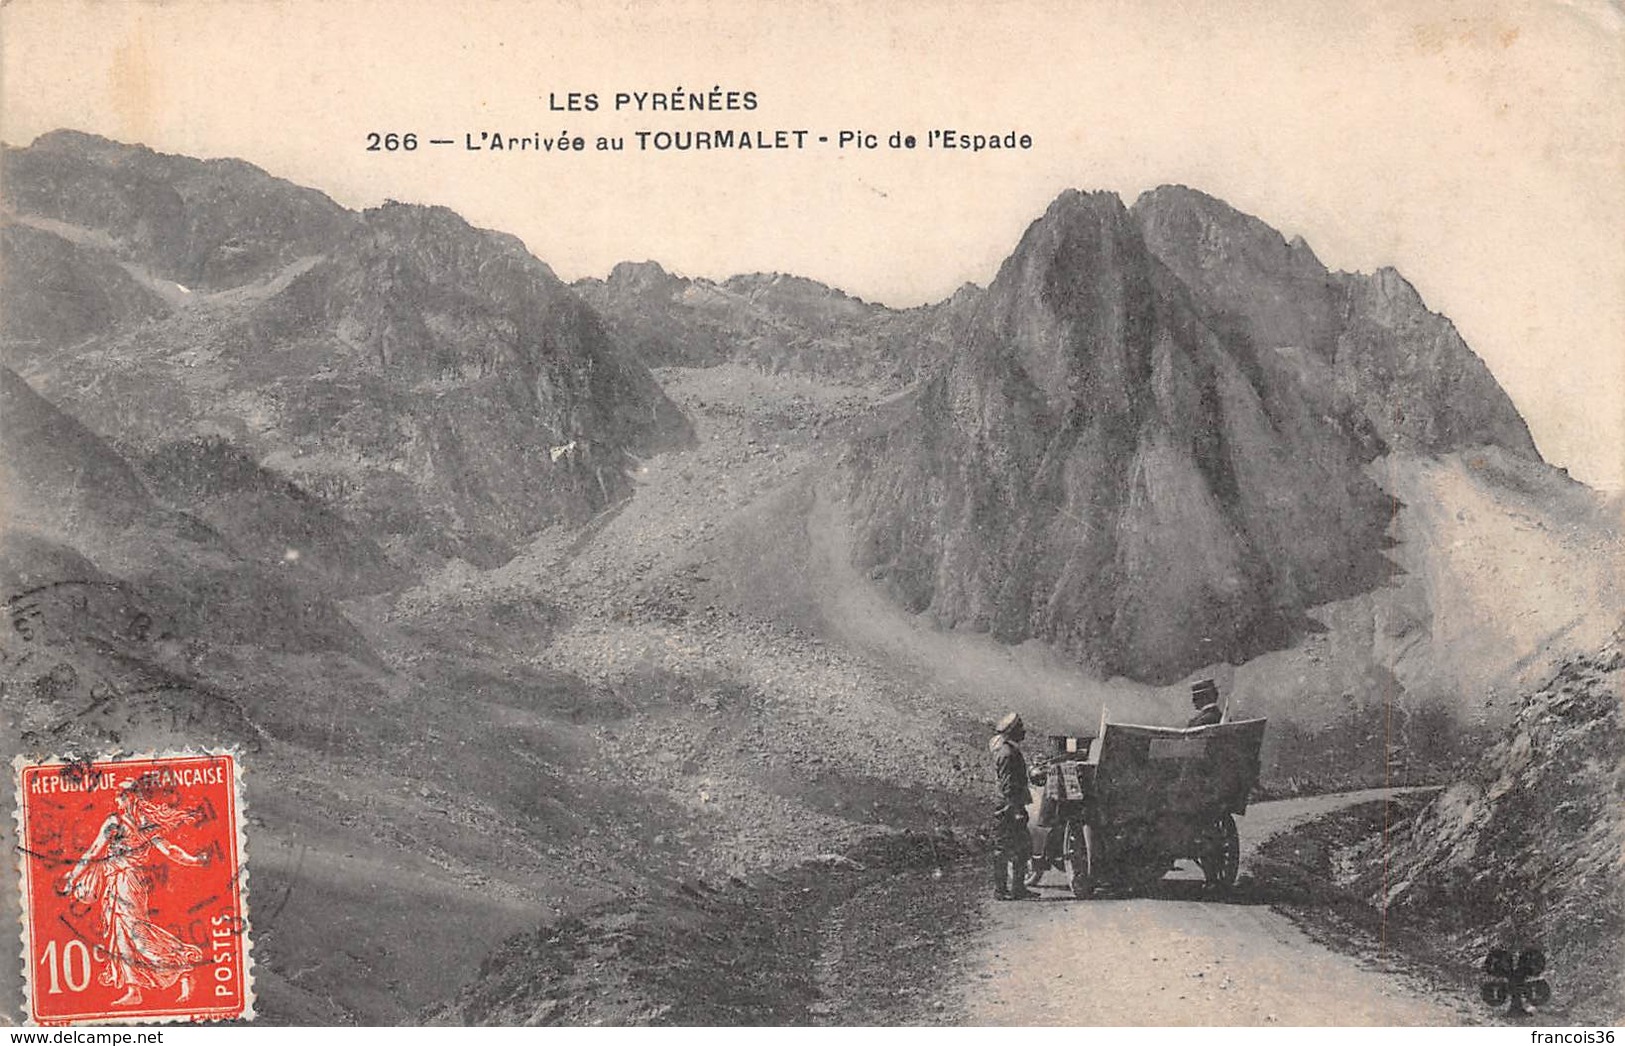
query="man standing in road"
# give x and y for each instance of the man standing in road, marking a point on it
(1012, 845)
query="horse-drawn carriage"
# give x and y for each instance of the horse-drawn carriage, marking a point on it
(1134, 800)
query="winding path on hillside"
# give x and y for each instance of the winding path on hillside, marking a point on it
(1176, 960)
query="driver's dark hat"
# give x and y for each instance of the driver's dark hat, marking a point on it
(1204, 692)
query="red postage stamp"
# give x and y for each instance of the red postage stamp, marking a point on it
(134, 894)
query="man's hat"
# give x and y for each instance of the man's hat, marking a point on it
(1204, 692)
(1008, 723)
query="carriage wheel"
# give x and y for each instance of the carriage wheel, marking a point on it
(1080, 840)
(1221, 860)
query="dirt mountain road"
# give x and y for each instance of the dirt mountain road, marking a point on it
(1174, 959)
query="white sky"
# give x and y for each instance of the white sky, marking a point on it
(1477, 147)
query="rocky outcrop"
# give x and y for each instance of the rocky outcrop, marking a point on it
(205, 224)
(1366, 340)
(433, 381)
(1148, 445)
(775, 322)
(1527, 851)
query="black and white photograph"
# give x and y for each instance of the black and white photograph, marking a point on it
(825, 513)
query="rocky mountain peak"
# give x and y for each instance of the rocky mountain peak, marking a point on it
(796, 292)
(1245, 275)
(1074, 232)
(1385, 290)
(771, 320)
(1072, 307)
(1159, 421)
(422, 370)
(205, 224)
(642, 277)
(1305, 254)
(1374, 343)
(1207, 221)
(86, 145)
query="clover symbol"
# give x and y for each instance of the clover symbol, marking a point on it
(1516, 982)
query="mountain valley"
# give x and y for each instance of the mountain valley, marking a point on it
(531, 603)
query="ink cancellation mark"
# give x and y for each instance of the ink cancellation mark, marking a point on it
(134, 889)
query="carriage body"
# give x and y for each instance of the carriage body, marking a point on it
(1134, 800)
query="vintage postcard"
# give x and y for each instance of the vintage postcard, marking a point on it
(700, 512)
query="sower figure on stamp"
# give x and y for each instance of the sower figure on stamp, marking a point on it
(1012, 845)
(114, 874)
